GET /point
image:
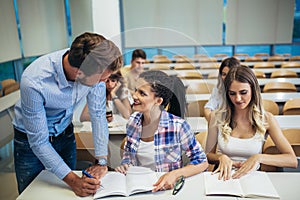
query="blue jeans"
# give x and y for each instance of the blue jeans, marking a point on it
(28, 166)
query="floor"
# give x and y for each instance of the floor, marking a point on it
(8, 183)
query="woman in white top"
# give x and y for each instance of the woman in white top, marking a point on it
(239, 127)
(215, 99)
(118, 99)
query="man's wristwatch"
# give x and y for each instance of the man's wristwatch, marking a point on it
(102, 161)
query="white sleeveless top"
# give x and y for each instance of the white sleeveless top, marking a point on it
(145, 155)
(238, 149)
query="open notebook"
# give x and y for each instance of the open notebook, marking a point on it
(254, 184)
(137, 180)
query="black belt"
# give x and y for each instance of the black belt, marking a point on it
(23, 135)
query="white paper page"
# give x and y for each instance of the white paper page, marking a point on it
(113, 183)
(214, 186)
(140, 179)
(86, 127)
(258, 184)
(118, 122)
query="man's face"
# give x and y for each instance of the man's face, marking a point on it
(94, 78)
(138, 65)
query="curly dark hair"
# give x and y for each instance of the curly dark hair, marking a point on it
(169, 88)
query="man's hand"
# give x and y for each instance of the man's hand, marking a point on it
(83, 186)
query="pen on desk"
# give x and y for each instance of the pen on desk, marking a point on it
(178, 185)
(87, 174)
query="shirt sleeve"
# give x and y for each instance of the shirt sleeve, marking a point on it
(96, 100)
(214, 100)
(129, 155)
(35, 124)
(190, 145)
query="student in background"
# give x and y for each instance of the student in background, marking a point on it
(240, 126)
(137, 67)
(118, 99)
(215, 99)
(156, 138)
(51, 87)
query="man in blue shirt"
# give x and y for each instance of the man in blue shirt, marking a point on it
(50, 89)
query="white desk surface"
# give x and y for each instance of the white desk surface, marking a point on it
(117, 126)
(261, 81)
(9, 100)
(47, 186)
(199, 124)
(207, 71)
(278, 97)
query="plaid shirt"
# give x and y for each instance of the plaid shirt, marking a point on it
(172, 138)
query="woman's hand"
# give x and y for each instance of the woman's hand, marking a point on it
(250, 164)
(97, 171)
(122, 168)
(225, 166)
(165, 182)
(115, 89)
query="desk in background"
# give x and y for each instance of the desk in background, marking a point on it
(205, 72)
(85, 144)
(199, 65)
(278, 97)
(261, 81)
(47, 186)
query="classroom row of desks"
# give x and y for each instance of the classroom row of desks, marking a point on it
(261, 81)
(47, 186)
(204, 65)
(198, 124)
(278, 97)
(206, 72)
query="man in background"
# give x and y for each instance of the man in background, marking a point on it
(137, 67)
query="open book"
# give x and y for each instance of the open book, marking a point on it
(254, 184)
(137, 180)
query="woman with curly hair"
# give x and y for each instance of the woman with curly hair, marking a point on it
(239, 128)
(118, 99)
(157, 139)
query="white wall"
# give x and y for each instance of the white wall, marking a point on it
(106, 19)
(259, 21)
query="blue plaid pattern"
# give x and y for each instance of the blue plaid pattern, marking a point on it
(172, 138)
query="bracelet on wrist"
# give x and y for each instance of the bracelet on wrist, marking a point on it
(114, 98)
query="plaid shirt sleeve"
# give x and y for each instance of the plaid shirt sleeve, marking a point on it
(132, 142)
(191, 146)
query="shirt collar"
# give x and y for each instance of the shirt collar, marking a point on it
(60, 76)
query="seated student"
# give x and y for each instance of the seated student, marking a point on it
(239, 127)
(118, 99)
(216, 96)
(137, 67)
(156, 138)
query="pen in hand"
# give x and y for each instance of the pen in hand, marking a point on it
(84, 172)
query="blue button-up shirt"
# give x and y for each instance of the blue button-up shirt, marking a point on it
(46, 108)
